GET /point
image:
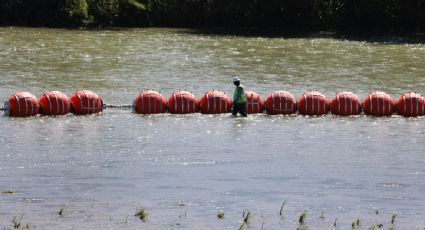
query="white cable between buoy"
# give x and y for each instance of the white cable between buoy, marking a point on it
(117, 106)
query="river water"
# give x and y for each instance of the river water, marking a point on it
(184, 169)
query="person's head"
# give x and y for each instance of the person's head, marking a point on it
(236, 81)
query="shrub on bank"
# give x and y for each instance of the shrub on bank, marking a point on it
(369, 16)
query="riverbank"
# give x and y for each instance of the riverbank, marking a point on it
(346, 17)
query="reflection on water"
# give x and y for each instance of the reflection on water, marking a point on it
(185, 168)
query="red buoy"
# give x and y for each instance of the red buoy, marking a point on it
(54, 103)
(214, 102)
(345, 104)
(150, 102)
(182, 102)
(313, 103)
(23, 104)
(379, 104)
(411, 105)
(86, 102)
(254, 102)
(281, 102)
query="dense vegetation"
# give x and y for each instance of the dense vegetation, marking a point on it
(369, 16)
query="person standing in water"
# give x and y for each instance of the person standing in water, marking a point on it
(239, 101)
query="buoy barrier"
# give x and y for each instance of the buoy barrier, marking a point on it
(150, 102)
(215, 102)
(345, 104)
(411, 104)
(21, 104)
(313, 103)
(182, 102)
(378, 103)
(281, 102)
(54, 103)
(254, 102)
(86, 102)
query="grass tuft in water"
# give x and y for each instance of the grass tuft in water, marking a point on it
(281, 208)
(334, 224)
(282, 217)
(246, 215)
(142, 213)
(376, 226)
(220, 214)
(393, 216)
(376, 211)
(355, 224)
(301, 221)
(302, 217)
(61, 212)
(322, 216)
(8, 192)
(16, 221)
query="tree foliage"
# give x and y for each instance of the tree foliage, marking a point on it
(368, 16)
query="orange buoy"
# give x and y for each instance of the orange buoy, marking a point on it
(281, 102)
(214, 102)
(411, 105)
(254, 102)
(313, 103)
(54, 103)
(22, 104)
(86, 102)
(345, 104)
(379, 104)
(182, 102)
(150, 102)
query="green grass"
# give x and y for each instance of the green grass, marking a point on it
(142, 214)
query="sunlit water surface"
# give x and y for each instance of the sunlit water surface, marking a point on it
(184, 169)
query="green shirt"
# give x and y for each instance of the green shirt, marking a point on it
(239, 95)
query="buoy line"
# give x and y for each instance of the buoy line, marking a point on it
(314, 103)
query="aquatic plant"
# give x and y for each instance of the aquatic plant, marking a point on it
(142, 213)
(376, 211)
(61, 211)
(281, 208)
(282, 217)
(246, 214)
(322, 215)
(302, 217)
(16, 221)
(355, 224)
(220, 214)
(393, 216)
(8, 192)
(376, 226)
